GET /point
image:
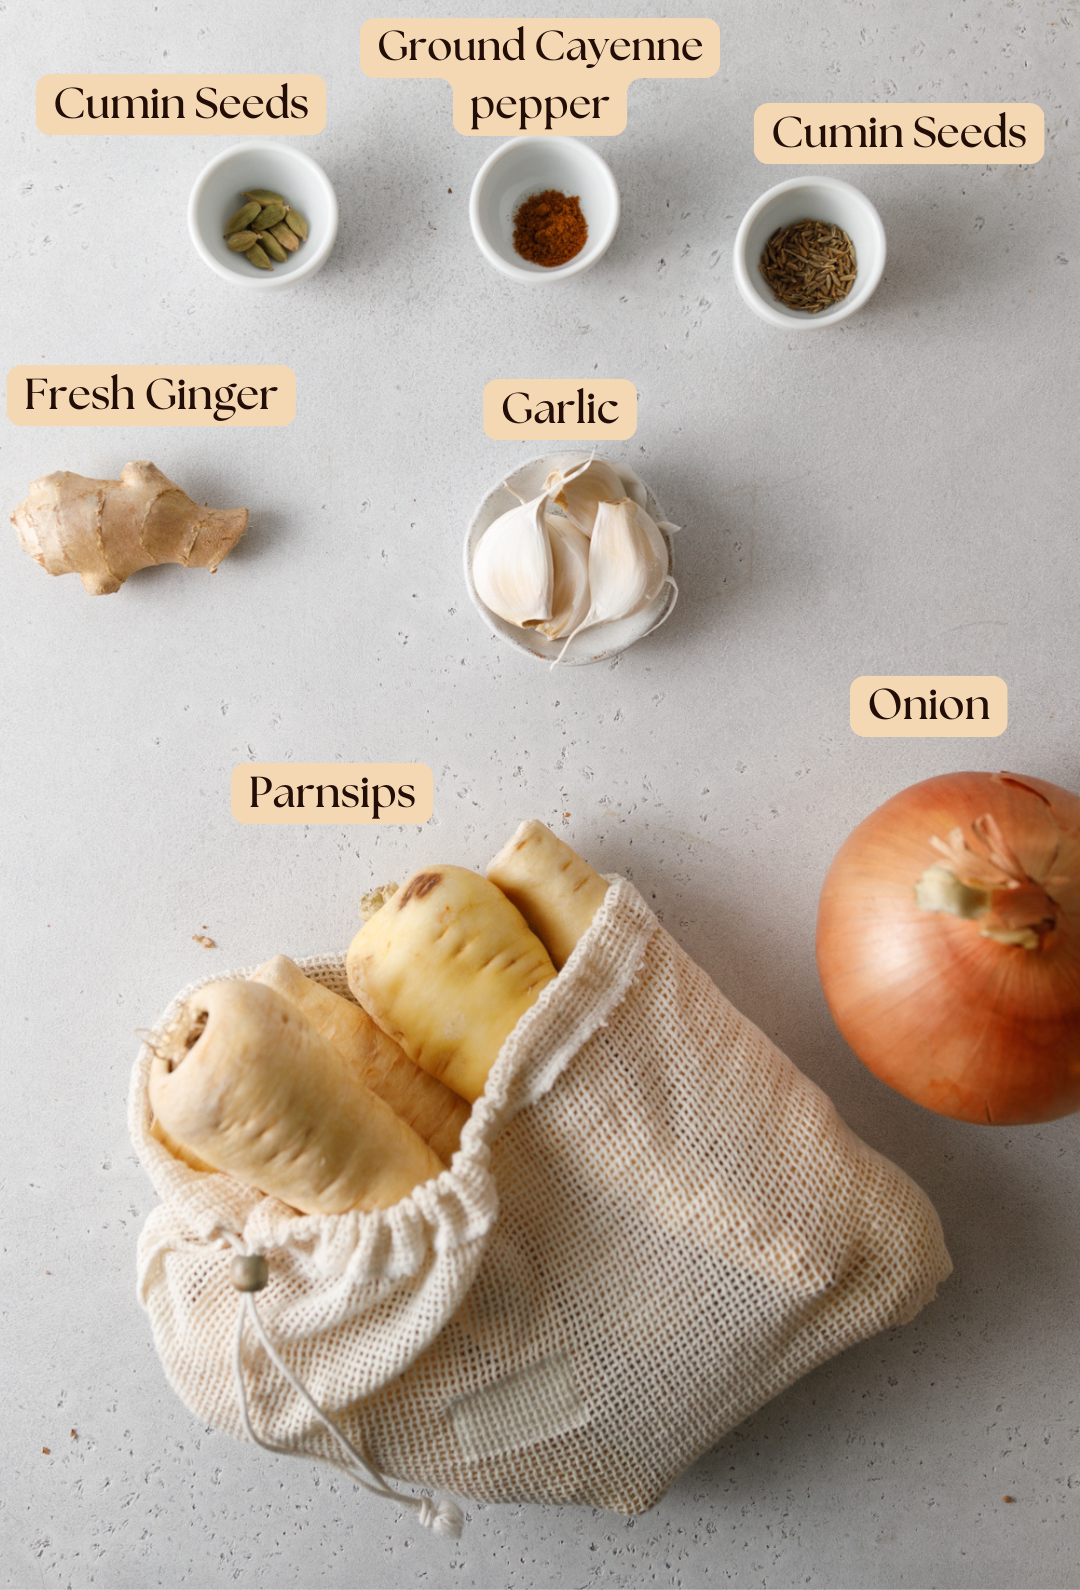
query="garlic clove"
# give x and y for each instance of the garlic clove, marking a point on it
(579, 491)
(628, 564)
(570, 592)
(513, 569)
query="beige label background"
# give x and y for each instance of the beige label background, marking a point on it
(959, 117)
(304, 779)
(913, 687)
(601, 393)
(234, 121)
(536, 79)
(245, 380)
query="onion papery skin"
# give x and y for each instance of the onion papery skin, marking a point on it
(971, 1028)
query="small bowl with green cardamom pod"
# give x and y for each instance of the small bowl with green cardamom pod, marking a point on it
(234, 219)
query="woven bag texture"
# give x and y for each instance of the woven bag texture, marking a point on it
(655, 1223)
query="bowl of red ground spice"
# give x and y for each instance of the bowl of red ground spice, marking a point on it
(544, 209)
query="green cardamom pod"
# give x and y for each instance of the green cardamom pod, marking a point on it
(257, 256)
(240, 242)
(243, 218)
(270, 216)
(270, 243)
(296, 221)
(285, 236)
(264, 196)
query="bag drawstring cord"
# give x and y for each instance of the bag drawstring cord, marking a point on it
(249, 1275)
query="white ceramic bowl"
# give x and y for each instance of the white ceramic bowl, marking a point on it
(531, 165)
(601, 640)
(809, 199)
(219, 193)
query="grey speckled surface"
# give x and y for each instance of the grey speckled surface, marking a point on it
(895, 495)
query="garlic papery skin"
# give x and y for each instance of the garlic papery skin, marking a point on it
(513, 569)
(580, 490)
(570, 594)
(628, 564)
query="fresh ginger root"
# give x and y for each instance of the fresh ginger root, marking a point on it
(242, 1082)
(431, 1109)
(556, 892)
(106, 529)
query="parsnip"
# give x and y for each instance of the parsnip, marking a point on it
(245, 1083)
(447, 968)
(431, 1109)
(177, 1150)
(556, 892)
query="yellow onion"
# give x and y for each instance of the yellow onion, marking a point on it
(948, 944)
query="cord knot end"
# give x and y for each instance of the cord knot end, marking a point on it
(442, 1518)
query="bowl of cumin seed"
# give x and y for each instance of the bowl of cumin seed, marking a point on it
(810, 252)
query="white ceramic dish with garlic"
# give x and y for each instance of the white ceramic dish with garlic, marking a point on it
(569, 559)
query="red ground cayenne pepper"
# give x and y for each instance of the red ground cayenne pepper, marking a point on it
(549, 228)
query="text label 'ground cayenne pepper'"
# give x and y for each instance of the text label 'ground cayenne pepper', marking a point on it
(546, 75)
(549, 228)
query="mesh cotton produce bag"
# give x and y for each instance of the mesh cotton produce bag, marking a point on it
(655, 1223)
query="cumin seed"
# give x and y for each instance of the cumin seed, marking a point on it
(809, 265)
